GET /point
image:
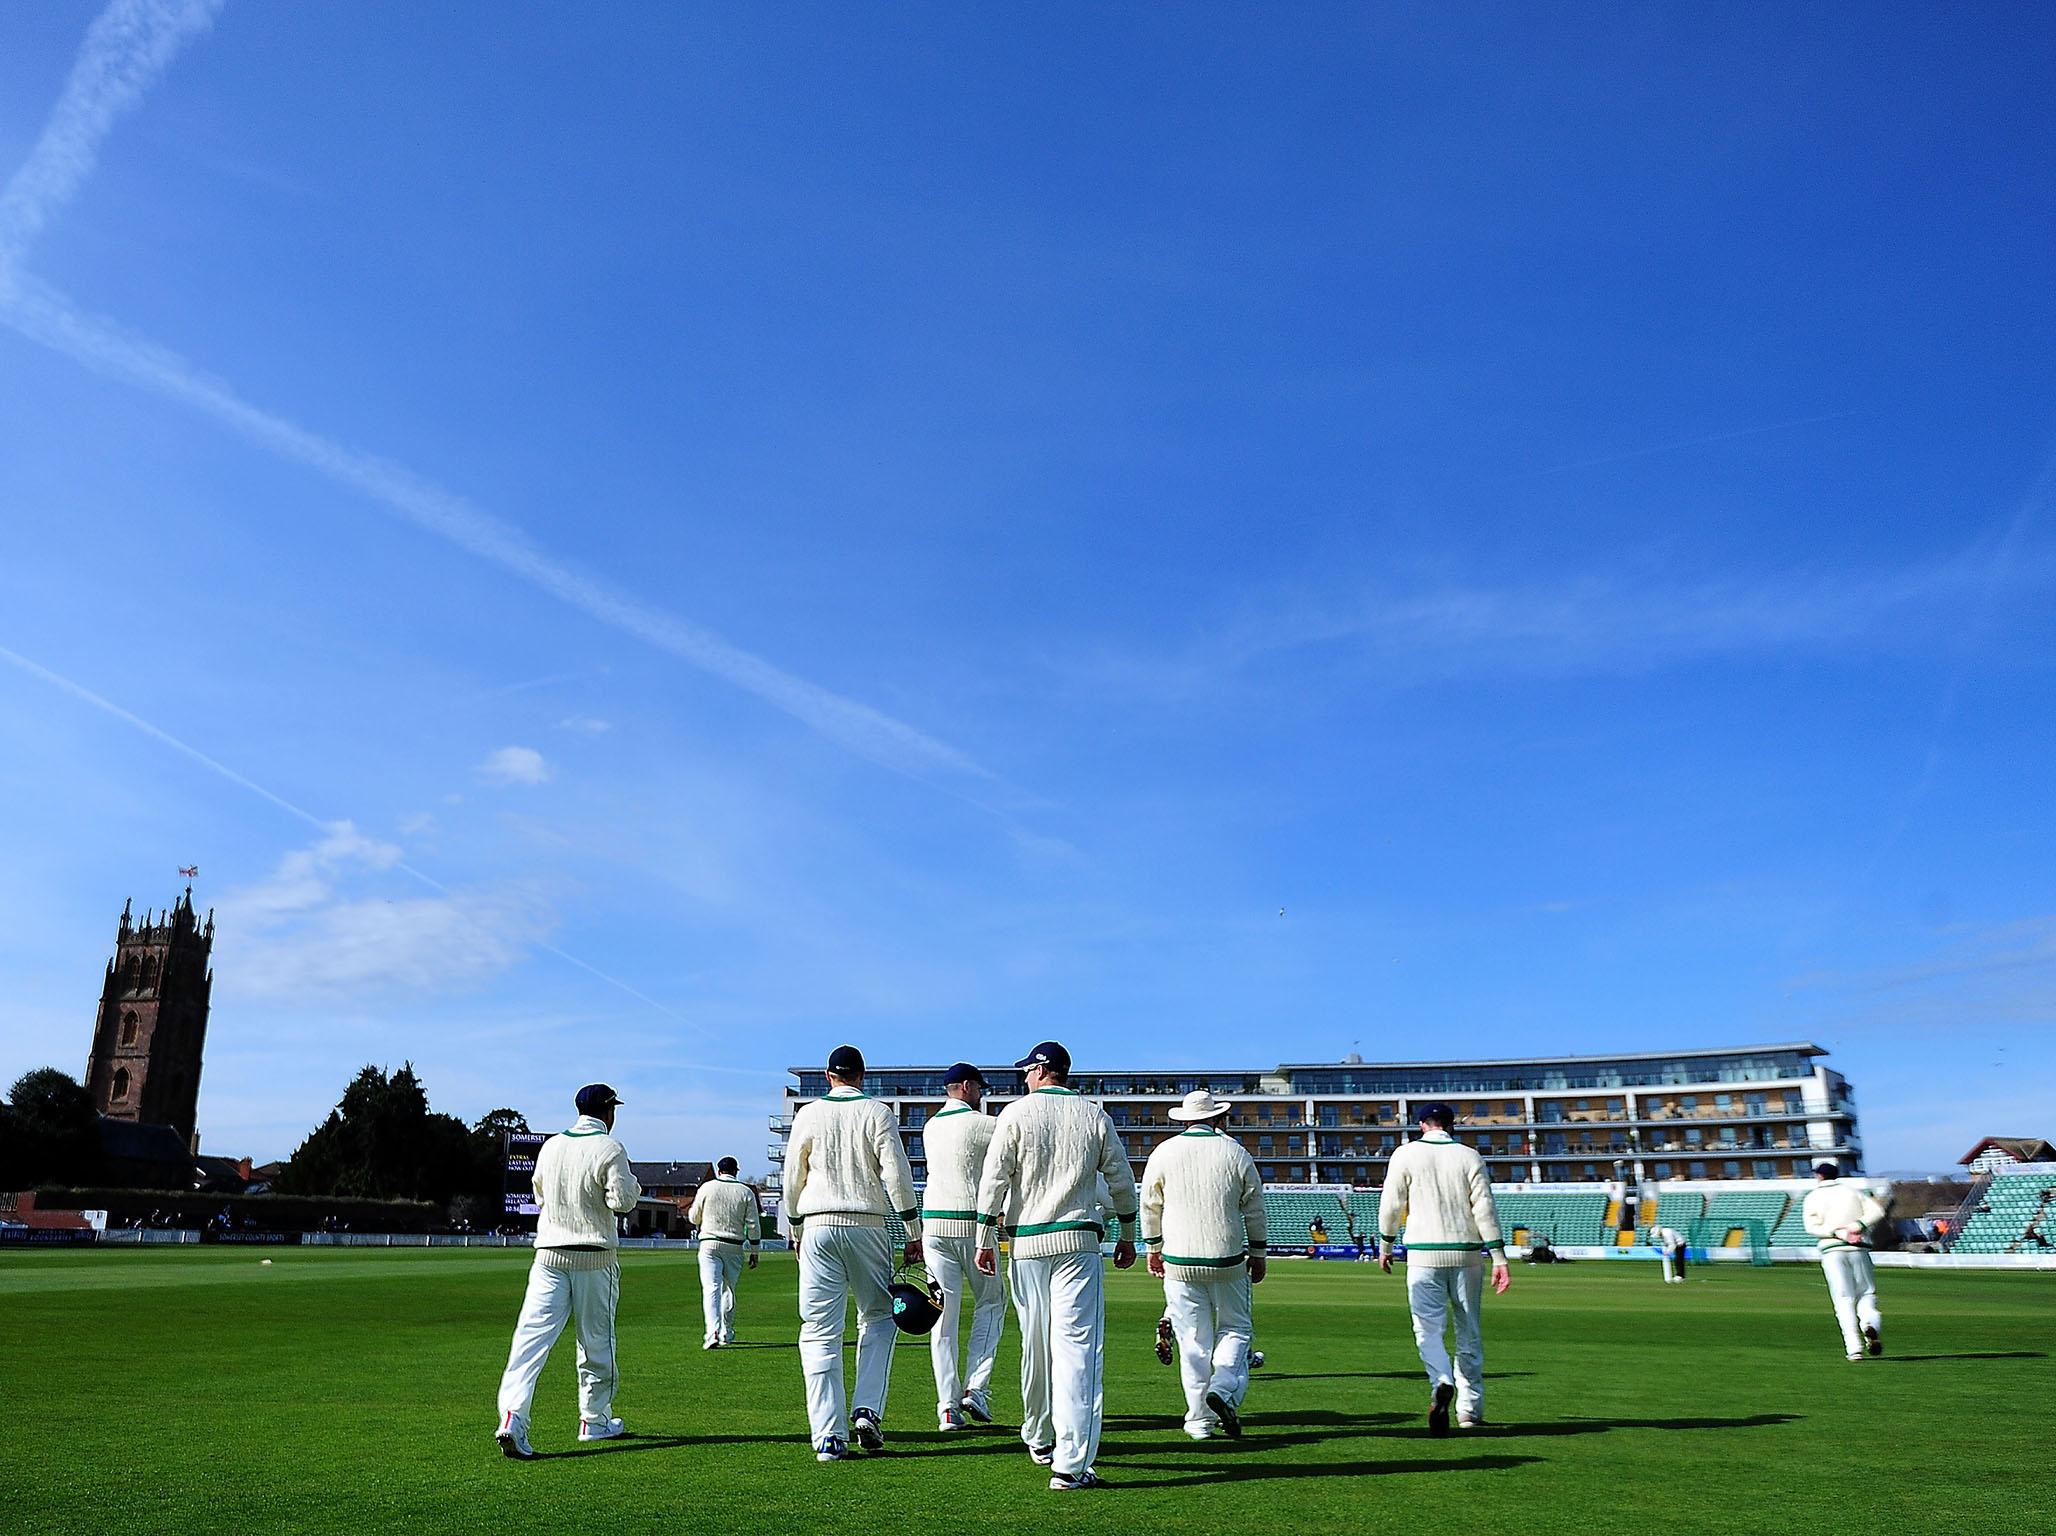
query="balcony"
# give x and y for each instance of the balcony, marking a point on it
(776, 1151)
(782, 1124)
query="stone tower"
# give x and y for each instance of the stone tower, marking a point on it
(145, 1064)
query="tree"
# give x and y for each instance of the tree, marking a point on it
(383, 1142)
(52, 1131)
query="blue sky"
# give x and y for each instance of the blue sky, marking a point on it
(640, 547)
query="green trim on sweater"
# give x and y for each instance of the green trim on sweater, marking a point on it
(1039, 1229)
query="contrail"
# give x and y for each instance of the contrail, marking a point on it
(126, 49)
(1690, 442)
(42, 315)
(164, 738)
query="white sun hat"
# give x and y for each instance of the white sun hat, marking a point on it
(1200, 1105)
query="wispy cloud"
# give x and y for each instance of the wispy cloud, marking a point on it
(585, 725)
(125, 49)
(1625, 623)
(1703, 441)
(165, 738)
(309, 929)
(515, 765)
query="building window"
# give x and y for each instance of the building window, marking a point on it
(1731, 1169)
(128, 1026)
(1695, 1170)
(121, 1084)
(1766, 1169)
(1661, 1170)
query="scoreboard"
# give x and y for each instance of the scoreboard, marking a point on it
(519, 1184)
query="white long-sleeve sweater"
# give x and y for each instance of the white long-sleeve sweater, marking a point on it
(956, 1137)
(582, 1181)
(1202, 1205)
(1837, 1204)
(1438, 1193)
(726, 1211)
(1049, 1151)
(845, 1166)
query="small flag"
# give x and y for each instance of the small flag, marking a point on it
(190, 871)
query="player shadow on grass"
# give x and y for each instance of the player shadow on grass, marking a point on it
(1255, 1471)
(1606, 1426)
(1994, 1354)
(1414, 1375)
(620, 1445)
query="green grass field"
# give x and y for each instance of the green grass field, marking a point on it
(182, 1390)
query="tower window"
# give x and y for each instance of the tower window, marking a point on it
(128, 1029)
(121, 1084)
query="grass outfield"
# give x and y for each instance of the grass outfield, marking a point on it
(176, 1390)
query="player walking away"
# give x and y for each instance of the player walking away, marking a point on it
(1841, 1213)
(845, 1172)
(1436, 1190)
(1050, 1149)
(1203, 1224)
(730, 1220)
(957, 1137)
(582, 1182)
(1670, 1252)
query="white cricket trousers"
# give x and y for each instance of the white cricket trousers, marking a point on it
(1438, 1299)
(1670, 1264)
(1061, 1304)
(836, 1265)
(1211, 1320)
(951, 1263)
(720, 1272)
(1853, 1285)
(556, 1296)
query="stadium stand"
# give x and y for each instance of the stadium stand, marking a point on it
(1735, 1211)
(2016, 1215)
(1289, 1215)
(1567, 1220)
(1790, 1232)
(1676, 1209)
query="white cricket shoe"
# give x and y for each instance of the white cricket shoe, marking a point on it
(1199, 1431)
(949, 1419)
(977, 1407)
(601, 1429)
(513, 1437)
(711, 1344)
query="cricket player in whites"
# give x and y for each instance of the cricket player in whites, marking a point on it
(957, 1137)
(1437, 1193)
(1841, 1214)
(1050, 1149)
(846, 1170)
(729, 1219)
(1203, 1225)
(582, 1182)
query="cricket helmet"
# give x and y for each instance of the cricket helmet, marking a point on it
(915, 1309)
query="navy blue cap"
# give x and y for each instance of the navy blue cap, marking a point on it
(1441, 1113)
(964, 1072)
(1048, 1054)
(594, 1097)
(846, 1061)
(726, 1165)
(1829, 1167)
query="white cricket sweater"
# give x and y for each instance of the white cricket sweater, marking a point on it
(582, 1181)
(1050, 1149)
(1437, 1191)
(845, 1165)
(957, 1138)
(1836, 1204)
(725, 1210)
(1202, 1205)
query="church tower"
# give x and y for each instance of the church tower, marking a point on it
(145, 1064)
